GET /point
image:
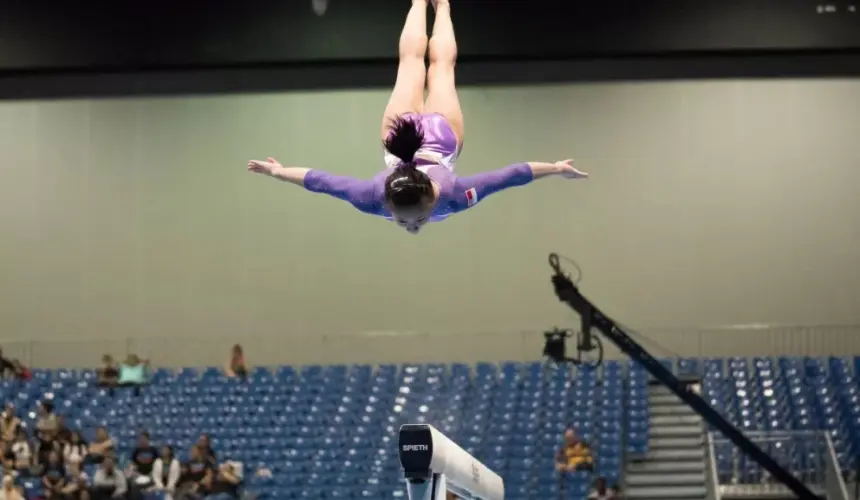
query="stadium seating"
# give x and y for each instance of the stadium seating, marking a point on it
(330, 431)
(784, 404)
(637, 414)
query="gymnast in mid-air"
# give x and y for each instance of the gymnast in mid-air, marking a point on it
(421, 139)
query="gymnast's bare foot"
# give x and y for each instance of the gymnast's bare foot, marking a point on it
(437, 3)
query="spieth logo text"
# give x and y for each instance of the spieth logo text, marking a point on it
(416, 447)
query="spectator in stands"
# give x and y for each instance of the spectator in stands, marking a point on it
(64, 434)
(7, 457)
(47, 425)
(191, 481)
(133, 373)
(23, 452)
(224, 483)
(7, 368)
(601, 491)
(108, 481)
(166, 471)
(142, 460)
(77, 484)
(45, 446)
(236, 367)
(10, 491)
(185, 484)
(54, 476)
(574, 455)
(75, 450)
(101, 447)
(205, 446)
(10, 424)
(46, 433)
(20, 371)
(108, 373)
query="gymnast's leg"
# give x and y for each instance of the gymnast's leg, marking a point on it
(442, 91)
(408, 93)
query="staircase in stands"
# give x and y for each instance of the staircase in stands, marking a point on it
(674, 467)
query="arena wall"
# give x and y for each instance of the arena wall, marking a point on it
(711, 202)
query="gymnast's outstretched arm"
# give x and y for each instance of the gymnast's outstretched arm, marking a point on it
(563, 168)
(271, 167)
(355, 191)
(479, 186)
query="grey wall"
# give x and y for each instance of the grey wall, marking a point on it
(711, 203)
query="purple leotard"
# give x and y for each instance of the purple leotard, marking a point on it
(436, 158)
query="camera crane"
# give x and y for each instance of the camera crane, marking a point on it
(591, 317)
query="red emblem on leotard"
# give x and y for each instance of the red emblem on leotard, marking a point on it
(471, 197)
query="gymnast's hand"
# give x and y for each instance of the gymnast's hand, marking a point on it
(568, 171)
(263, 167)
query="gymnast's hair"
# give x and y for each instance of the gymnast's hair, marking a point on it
(406, 186)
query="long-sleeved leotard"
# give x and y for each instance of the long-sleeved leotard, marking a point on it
(436, 158)
(455, 193)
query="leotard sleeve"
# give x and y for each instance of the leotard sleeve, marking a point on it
(362, 194)
(474, 188)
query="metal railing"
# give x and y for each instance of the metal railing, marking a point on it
(808, 455)
(835, 481)
(712, 480)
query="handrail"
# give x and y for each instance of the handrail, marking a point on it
(712, 479)
(834, 482)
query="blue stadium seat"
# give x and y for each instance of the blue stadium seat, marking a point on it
(638, 416)
(785, 394)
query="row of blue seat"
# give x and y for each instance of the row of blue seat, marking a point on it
(308, 422)
(796, 394)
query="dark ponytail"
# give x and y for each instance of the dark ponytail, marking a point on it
(406, 186)
(405, 138)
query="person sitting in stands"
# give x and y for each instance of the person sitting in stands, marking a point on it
(108, 482)
(7, 457)
(47, 425)
(76, 450)
(64, 434)
(225, 483)
(142, 461)
(133, 373)
(20, 371)
(23, 452)
(165, 472)
(205, 446)
(108, 373)
(77, 484)
(7, 368)
(602, 492)
(10, 491)
(101, 447)
(10, 424)
(54, 476)
(574, 455)
(46, 434)
(191, 482)
(237, 368)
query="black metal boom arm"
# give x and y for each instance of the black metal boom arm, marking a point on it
(592, 318)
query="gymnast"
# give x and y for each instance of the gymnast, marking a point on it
(421, 140)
